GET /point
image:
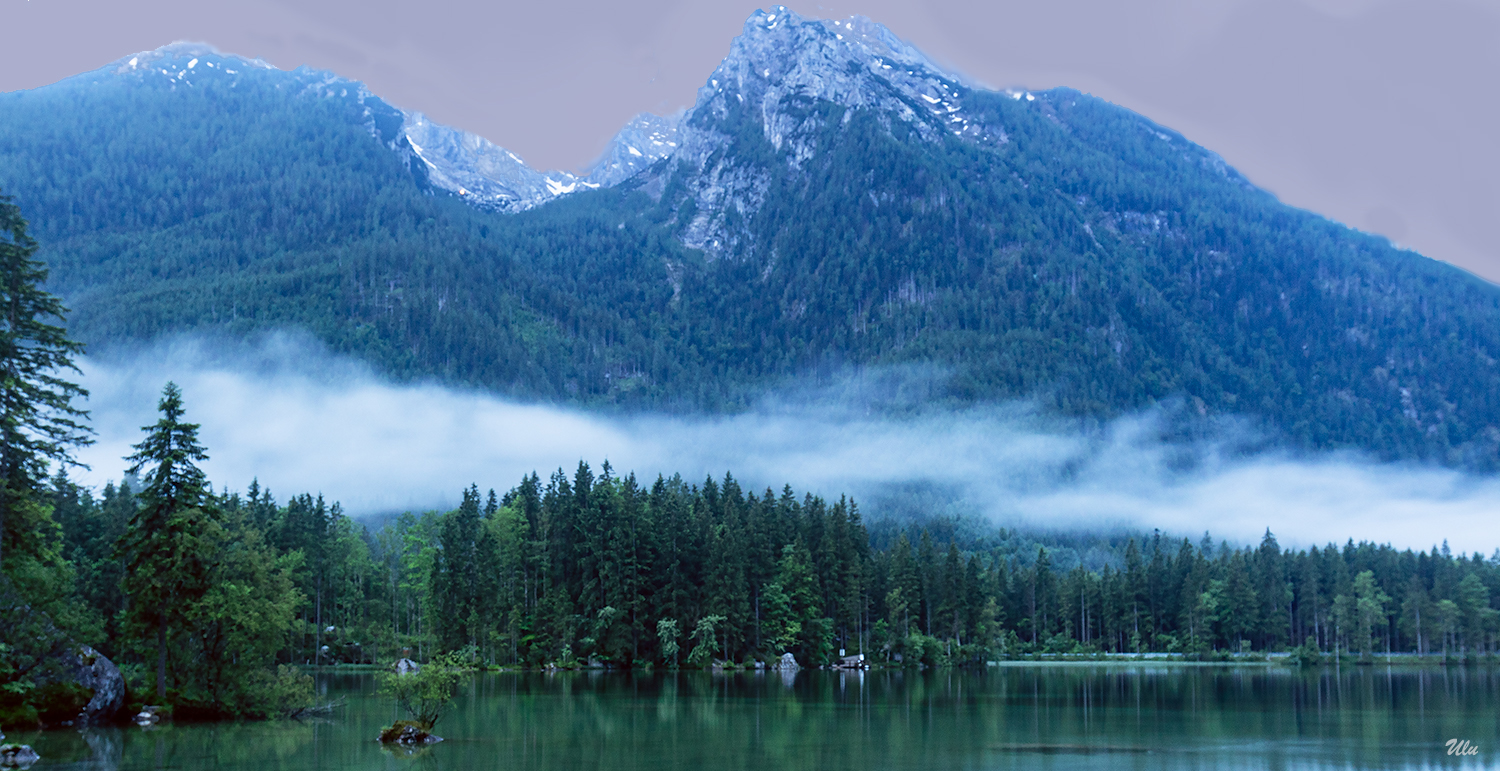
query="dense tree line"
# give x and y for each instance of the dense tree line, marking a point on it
(602, 568)
(599, 569)
(1092, 261)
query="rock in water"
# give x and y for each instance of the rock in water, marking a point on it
(407, 733)
(406, 667)
(788, 661)
(17, 756)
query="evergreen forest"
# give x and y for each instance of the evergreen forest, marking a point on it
(601, 569)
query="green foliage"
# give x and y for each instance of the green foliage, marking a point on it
(168, 543)
(1306, 654)
(1369, 609)
(201, 581)
(666, 635)
(705, 640)
(601, 569)
(27, 705)
(38, 422)
(288, 692)
(38, 425)
(426, 693)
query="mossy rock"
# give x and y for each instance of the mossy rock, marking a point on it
(409, 733)
(17, 756)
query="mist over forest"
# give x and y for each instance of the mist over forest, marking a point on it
(287, 412)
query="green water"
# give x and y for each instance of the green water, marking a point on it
(1136, 716)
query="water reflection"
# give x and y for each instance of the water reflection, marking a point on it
(1023, 716)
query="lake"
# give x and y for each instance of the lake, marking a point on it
(1024, 715)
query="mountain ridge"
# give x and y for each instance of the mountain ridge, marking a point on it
(832, 201)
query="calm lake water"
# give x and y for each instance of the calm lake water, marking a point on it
(1059, 716)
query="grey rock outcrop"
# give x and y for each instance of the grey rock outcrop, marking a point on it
(777, 71)
(644, 141)
(492, 177)
(412, 735)
(90, 669)
(48, 656)
(481, 172)
(407, 734)
(17, 756)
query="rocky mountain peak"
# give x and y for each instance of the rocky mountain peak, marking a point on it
(780, 58)
(645, 140)
(481, 172)
(777, 71)
(852, 61)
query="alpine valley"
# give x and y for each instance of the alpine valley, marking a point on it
(833, 202)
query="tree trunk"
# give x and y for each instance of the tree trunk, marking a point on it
(318, 615)
(161, 658)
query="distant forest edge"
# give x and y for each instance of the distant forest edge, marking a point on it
(600, 568)
(1093, 261)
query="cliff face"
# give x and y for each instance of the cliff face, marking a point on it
(764, 108)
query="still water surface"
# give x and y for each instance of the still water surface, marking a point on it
(1060, 716)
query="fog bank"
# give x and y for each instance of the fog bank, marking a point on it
(300, 420)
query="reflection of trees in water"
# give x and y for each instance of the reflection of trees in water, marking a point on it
(830, 720)
(1367, 716)
(272, 745)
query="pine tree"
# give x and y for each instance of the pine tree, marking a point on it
(38, 422)
(164, 554)
(454, 575)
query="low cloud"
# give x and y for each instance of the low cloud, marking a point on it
(300, 420)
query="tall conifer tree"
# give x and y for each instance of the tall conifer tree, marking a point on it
(38, 422)
(165, 568)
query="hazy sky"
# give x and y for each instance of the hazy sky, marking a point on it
(1378, 114)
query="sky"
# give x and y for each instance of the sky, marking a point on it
(1375, 113)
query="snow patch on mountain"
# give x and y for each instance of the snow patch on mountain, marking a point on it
(177, 61)
(491, 176)
(480, 171)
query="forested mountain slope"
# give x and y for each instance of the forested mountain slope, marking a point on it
(833, 201)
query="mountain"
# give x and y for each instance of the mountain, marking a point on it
(832, 202)
(492, 177)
